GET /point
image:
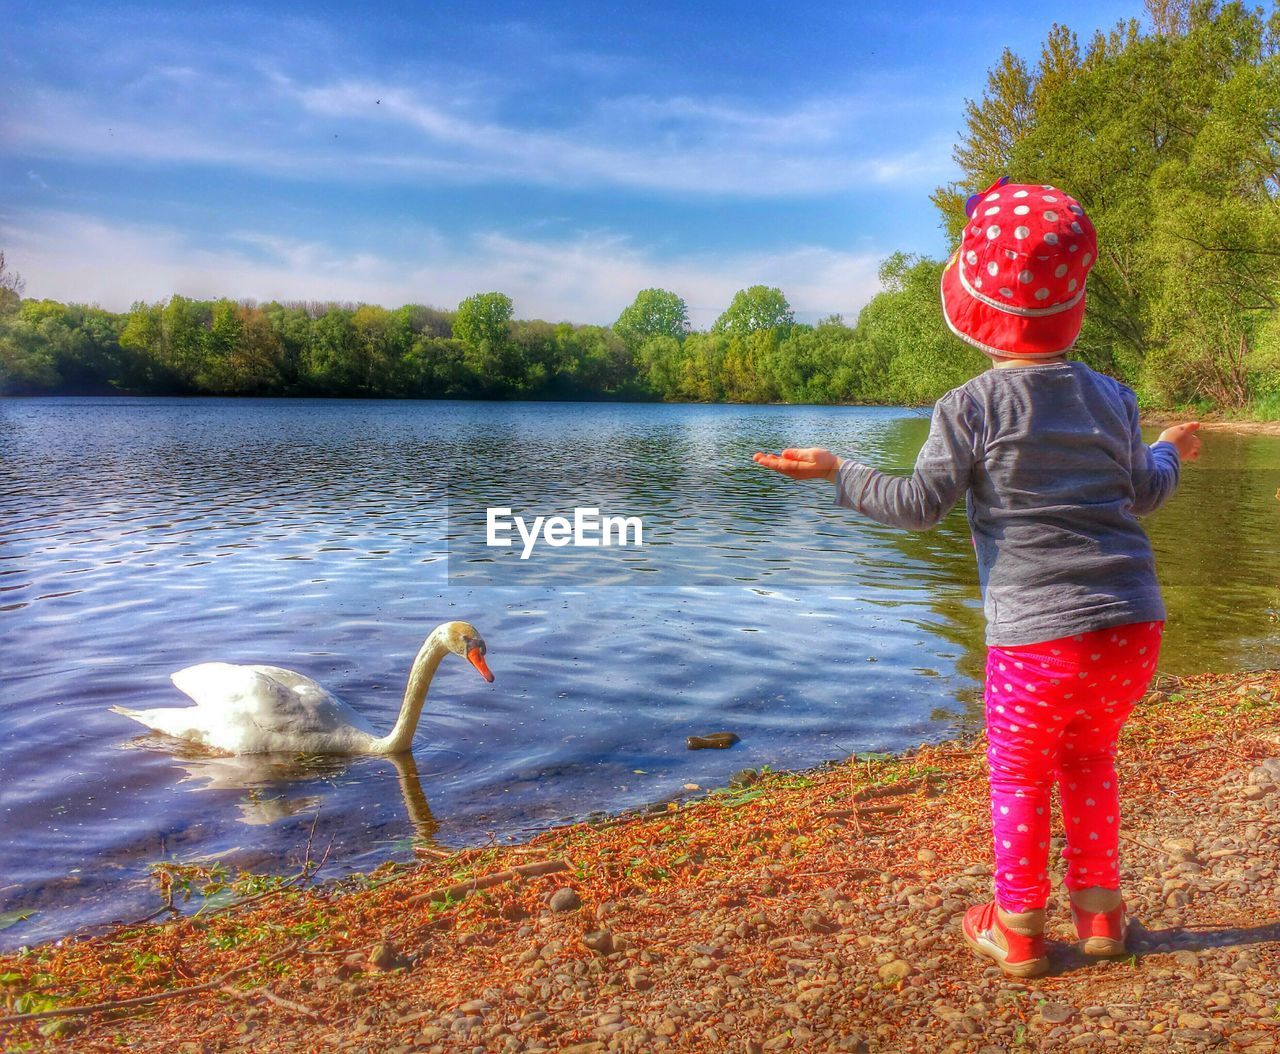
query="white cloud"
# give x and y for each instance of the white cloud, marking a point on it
(679, 144)
(71, 257)
(263, 121)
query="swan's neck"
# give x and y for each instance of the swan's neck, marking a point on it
(400, 738)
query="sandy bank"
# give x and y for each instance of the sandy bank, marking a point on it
(1269, 428)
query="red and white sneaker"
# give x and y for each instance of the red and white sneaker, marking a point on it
(1018, 946)
(1102, 931)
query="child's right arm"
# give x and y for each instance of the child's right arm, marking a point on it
(917, 502)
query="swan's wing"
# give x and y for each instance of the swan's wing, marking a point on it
(226, 687)
(326, 709)
(270, 698)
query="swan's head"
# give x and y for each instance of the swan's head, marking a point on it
(464, 639)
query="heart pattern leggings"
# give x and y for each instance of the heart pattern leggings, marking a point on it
(1054, 713)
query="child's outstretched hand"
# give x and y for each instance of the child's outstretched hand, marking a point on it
(1185, 439)
(807, 463)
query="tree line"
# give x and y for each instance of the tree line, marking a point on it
(1168, 133)
(755, 351)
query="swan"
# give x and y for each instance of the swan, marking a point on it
(264, 709)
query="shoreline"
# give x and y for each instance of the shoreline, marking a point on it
(808, 910)
(1269, 428)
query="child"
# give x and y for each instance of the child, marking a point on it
(1055, 472)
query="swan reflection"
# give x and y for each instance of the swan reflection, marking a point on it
(264, 781)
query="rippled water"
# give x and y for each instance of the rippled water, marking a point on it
(140, 536)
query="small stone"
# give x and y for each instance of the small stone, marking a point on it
(386, 956)
(815, 921)
(667, 1027)
(565, 899)
(926, 856)
(897, 970)
(1248, 1038)
(639, 980)
(1253, 793)
(1056, 1013)
(599, 941)
(1266, 773)
(1196, 1021)
(713, 741)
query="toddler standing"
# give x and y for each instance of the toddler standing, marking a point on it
(1050, 459)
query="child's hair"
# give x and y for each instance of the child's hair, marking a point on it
(1015, 288)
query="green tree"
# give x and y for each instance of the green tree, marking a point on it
(823, 364)
(483, 324)
(436, 368)
(384, 338)
(254, 363)
(216, 372)
(30, 338)
(291, 332)
(659, 362)
(483, 319)
(653, 313)
(702, 376)
(141, 336)
(745, 377)
(331, 364)
(910, 356)
(759, 307)
(592, 361)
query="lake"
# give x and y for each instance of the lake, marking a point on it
(139, 536)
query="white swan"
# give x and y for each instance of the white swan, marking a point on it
(262, 709)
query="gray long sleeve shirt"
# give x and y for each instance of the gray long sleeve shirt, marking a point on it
(1055, 474)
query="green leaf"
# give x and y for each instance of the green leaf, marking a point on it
(742, 799)
(12, 918)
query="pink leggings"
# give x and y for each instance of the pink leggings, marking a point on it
(1054, 713)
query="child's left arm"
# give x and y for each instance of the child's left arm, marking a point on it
(916, 502)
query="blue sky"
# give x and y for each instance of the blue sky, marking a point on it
(569, 154)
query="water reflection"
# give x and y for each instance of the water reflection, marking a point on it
(269, 788)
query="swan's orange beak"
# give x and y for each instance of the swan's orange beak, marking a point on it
(476, 657)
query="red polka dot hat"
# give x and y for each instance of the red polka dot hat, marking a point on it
(1015, 287)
